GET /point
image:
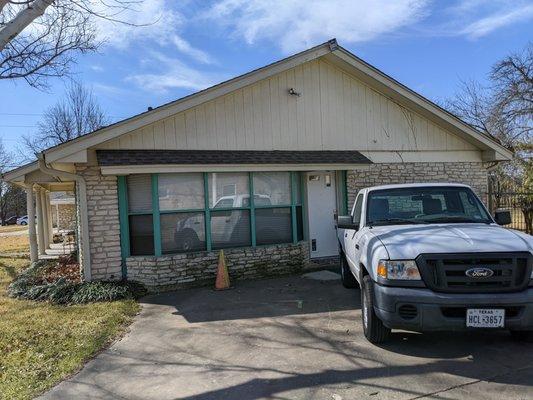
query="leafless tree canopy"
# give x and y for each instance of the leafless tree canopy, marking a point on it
(77, 114)
(504, 107)
(45, 46)
(12, 198)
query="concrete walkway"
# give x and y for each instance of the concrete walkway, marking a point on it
(292, 338)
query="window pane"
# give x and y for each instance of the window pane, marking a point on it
(139, 192)
(228, 189)
(230, 228)
(141, 235)
(298, 188)
(181, 232)
(181, 191)
(273, 225)
(299, 224)
(272, 188)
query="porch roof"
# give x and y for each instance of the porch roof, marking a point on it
(223, 157)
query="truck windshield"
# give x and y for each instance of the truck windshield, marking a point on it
(424, 205)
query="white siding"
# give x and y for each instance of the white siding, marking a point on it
(334, 112)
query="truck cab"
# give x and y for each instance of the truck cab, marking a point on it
(430, 257)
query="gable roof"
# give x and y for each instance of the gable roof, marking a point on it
(329, 50)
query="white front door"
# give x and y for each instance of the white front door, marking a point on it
(322, 207)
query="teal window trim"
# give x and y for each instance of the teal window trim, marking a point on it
(344, 193)
(252, 208)
(156, 216)
(305, 227)
(124, 222)
(156, 213)
(184, 210)
(207, 211)
(293, 208)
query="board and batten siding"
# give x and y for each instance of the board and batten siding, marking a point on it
(335, 111)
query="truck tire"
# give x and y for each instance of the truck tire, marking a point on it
(523, 336)
(373, 328)
(347, 278)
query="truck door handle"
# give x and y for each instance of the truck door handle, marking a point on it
(357, 246)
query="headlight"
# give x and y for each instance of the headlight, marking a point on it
(398, 270)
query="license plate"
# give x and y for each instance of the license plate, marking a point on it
(485, 318)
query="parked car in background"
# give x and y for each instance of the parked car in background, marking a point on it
(430, 257)
(22, 220)
(10, 221)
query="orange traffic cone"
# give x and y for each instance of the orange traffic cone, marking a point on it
(222, 282)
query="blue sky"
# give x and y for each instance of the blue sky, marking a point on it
(429, 46)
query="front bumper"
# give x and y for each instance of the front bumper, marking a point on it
(446, 311)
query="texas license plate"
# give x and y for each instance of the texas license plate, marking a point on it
(485, 318)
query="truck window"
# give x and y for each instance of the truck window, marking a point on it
(356, 217)
(434, 204)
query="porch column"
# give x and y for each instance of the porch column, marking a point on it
(40, 221)
(46, 235)
(30, 208)
(57, 216)
(49, 215)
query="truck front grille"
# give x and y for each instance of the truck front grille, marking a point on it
(447, 272)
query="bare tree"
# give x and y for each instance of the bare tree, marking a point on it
(5, 159)
(504, 109)
(39, 38)
(75, 115)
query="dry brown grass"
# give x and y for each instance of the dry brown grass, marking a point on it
(14, 244)
(42, 343)
(12, 228)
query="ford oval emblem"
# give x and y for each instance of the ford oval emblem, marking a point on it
(479, 273)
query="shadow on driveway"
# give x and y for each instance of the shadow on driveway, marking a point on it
(292, 338)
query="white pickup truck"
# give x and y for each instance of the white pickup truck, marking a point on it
(430, 257)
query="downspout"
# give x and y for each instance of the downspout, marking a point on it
(84, 216)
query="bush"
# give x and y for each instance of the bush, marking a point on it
(30, 285)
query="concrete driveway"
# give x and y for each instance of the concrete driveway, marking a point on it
(292, 338)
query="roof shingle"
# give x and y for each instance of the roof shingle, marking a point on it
(187, 157)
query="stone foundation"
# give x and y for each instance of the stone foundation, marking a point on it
(469, 173)
(198, 269)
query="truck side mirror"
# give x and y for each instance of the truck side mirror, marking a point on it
(346, 222)
(502, 217)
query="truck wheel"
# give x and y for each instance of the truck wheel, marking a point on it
(347, 278)
(373, 328)
(523, 336)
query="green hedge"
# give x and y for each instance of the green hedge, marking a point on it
(29, 285)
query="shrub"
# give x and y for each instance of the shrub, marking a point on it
(32, 285)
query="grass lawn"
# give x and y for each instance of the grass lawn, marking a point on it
(12, 228)
(14, 244)
(40, 343)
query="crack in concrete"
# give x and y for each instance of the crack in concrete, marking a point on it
(488, 379)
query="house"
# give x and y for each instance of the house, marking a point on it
(259, 166)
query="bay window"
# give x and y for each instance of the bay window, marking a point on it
(183, 212)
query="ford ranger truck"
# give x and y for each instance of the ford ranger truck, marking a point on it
(430, 257)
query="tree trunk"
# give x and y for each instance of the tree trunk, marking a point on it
(22, 20)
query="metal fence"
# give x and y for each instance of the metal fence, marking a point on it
(519, 203)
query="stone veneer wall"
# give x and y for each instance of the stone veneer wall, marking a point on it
(104, 225)
(196, 269)
(67, 216)
(468, 173)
